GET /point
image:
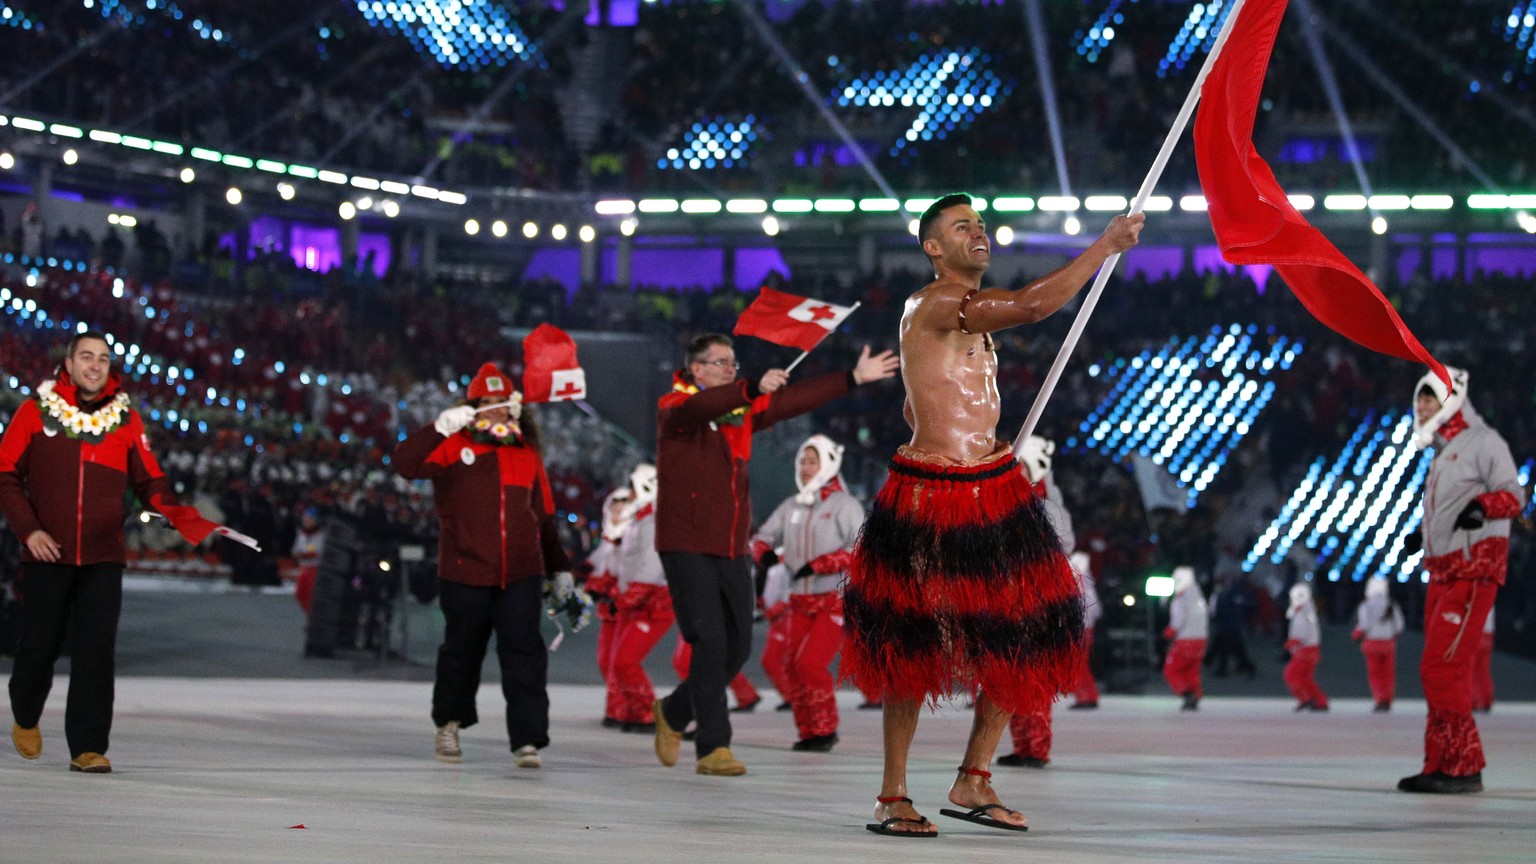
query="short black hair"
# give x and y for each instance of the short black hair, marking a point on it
(700, 344)
(931, 215)
(69, 349)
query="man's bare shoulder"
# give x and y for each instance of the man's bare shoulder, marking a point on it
(940, 298)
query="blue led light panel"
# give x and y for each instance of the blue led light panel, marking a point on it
(1091, 42)
(1198, 34)
(458, 34)
(1354, 513)
(948, 87)
(1520, 28)
(714, 142)
(1188, 404)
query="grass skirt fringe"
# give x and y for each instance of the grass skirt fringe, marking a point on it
(958, 581)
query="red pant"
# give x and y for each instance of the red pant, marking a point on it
(741, 686)
(1454, 612)
(304, 586)
(776, 651)
(607, 629)
(1181, 668)
(1482, 674)
(815, 625)
(1031, 732)
(1300, 678)
(1087, 689)
(1381, 667)
(645, 613)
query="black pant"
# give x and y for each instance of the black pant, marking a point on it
(470, 613)
(713, 600)
(85, 603)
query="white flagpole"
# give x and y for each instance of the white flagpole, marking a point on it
(791, 367)
(1137, 206)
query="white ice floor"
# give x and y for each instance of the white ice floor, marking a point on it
(211, 770)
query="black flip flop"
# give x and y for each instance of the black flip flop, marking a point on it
(980, 817)
(884, 828)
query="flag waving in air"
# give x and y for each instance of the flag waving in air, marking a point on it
(550, 370)
(789, 320)
(1253, 220)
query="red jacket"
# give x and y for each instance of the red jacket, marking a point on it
(702, 502)
(495, 511)
(73, 488)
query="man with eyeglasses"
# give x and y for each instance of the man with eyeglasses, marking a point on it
(703, 517)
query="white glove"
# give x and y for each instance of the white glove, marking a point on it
(454, 419)
(564, 585)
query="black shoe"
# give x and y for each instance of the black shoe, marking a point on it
(1302, 706)
(1019, 760)
(784, 706)
(1382, 707)
(639, 728)
(816, 743)
(1440, 783)
(747, 708)
(1191, 702)
(1317, 708)
(871, 705)
(612, 723)
(1083, 706)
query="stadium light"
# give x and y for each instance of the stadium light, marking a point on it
(1159, 586)
(233, 196)
(587, 233)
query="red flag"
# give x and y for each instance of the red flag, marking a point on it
(785, 319)
(1255, 222)
(550, 370)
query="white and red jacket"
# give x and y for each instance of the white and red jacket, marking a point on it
(820, 535)
(1472, 463)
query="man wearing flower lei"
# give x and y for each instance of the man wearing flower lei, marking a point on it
(497, 545)
(65, 462)
(703, 516)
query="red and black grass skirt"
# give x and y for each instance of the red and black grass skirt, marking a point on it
(958, 581)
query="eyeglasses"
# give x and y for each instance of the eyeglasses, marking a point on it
(722, 363)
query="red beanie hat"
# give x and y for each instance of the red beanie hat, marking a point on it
(490, 382)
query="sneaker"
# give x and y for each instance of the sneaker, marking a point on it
(1382, 707)
(446, 743)
(90, 763)
(669, 742)
(612, 723)
(1191, 702)
(816, 743)
(1083, 706)
(1440, 783)
(640, 728)
(29, 742)
(782, 706)
(527, 756)
(871, 705)
(1318, 707)
(721, 763)
(747, 707)
(1019, 760)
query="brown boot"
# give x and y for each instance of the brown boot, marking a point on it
(29, 742)
(721, 763)
(669, 741)
(91, 763)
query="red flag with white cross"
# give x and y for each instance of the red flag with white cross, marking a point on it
(550, 370)
(790, 320)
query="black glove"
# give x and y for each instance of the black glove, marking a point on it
(769, 559)
(804, 571)
(1471, 516)
(1413, 543)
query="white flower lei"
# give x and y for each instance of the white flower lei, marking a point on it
(80, 424)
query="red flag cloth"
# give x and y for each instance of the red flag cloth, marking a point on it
(1255, 222)
(550, 370)
(189, 523)
(785, 319)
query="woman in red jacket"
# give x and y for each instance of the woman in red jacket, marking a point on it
(496, 545)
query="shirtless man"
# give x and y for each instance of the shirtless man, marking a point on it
(959, 584)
